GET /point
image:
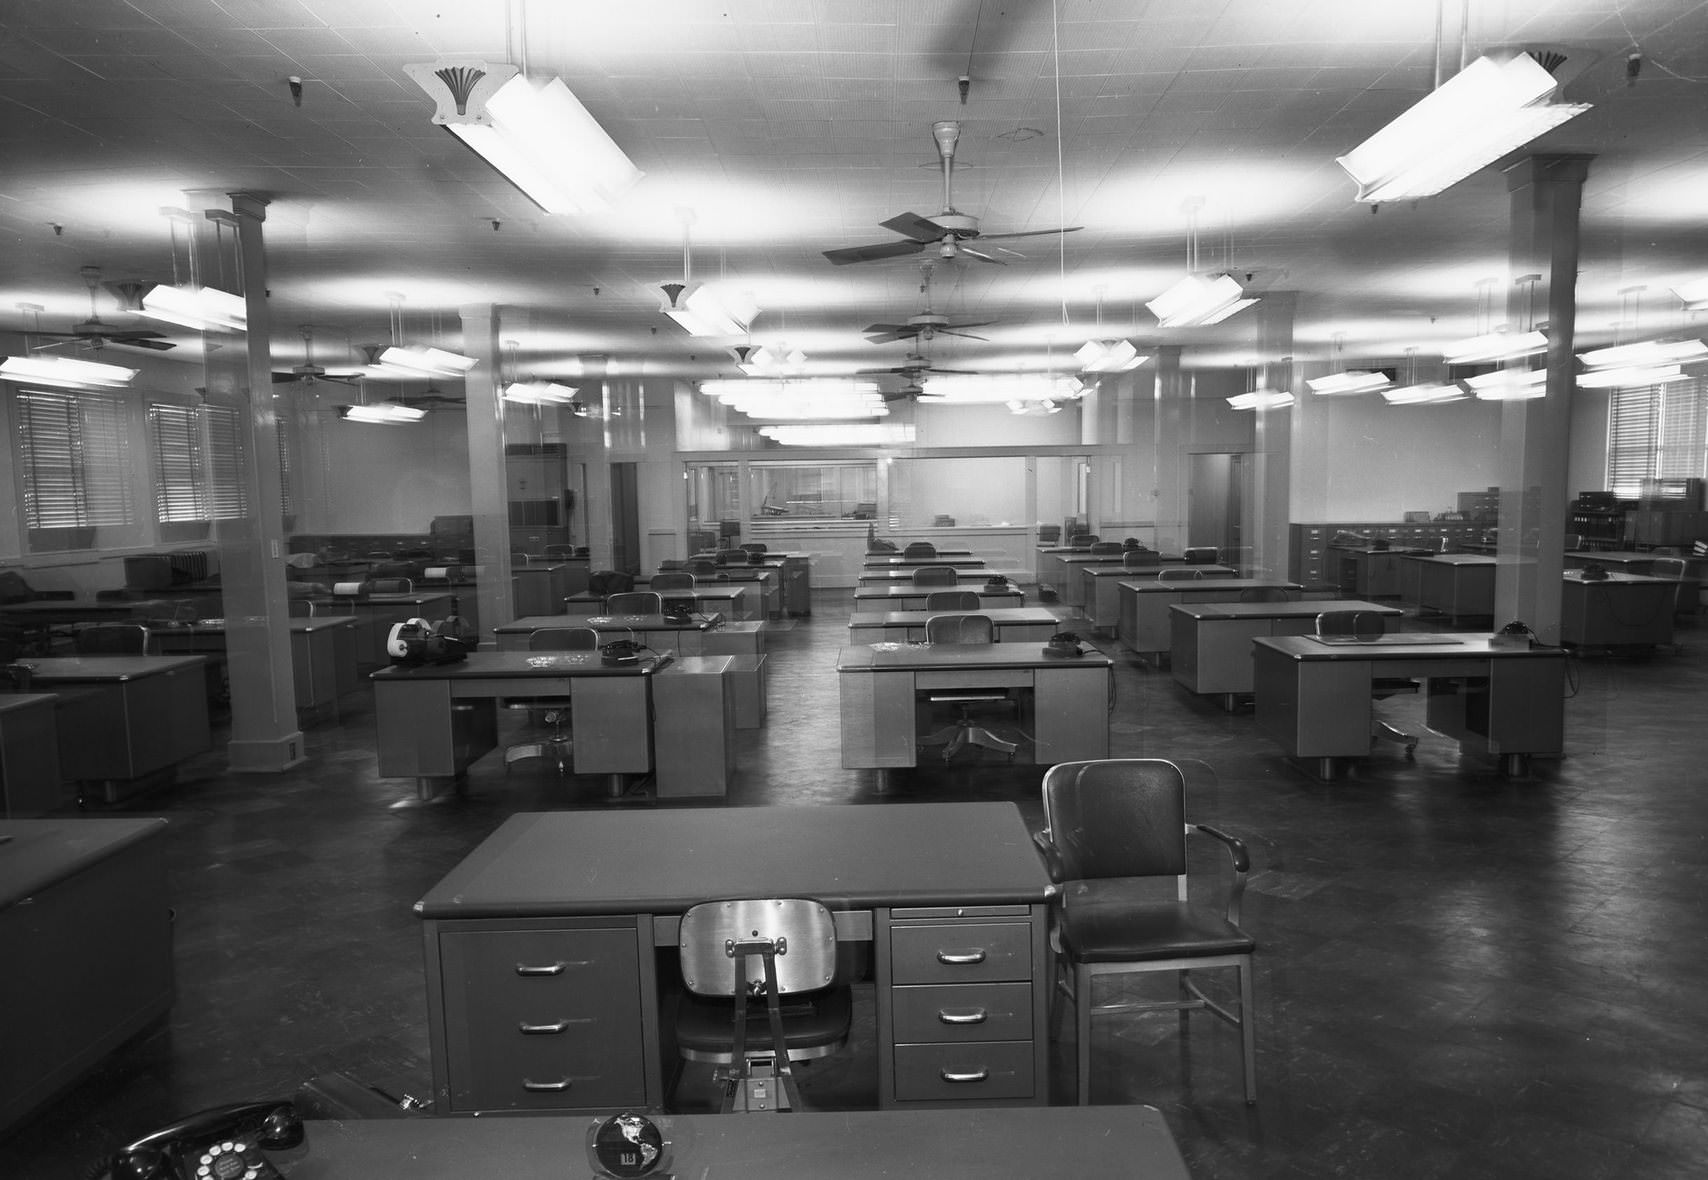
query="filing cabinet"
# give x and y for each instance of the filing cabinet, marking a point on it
(963, 1006)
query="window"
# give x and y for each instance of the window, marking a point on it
(1657, 431)
(75, 459)
(198, 463)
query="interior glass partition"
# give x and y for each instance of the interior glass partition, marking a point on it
(807, 491)
(714, 505)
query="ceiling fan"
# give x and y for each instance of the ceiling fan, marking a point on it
(912, 373)
(97, 333)
(948, 230)
(927, 325)
(309, 373)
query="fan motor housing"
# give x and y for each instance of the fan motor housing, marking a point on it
(962, 225)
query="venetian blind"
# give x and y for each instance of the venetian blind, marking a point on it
(74, 453)
(180, 463)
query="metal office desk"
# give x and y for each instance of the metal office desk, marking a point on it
(1458, 585)
(878, 564)
(871, 598)
(686, 637)
(766, 580)
(30, 783)
(873, 554)
(435, 720)
(732, 600)
(1313, 697)
(968, 1144)
(903, 575)
(1210, 642)
(1621, 610)
(125, 722)
(1070, 587)
(1628, 562)
(1141, 621)
(1013, 623)
(540, 588)
(379, 612)
(37, 619)
(951, 896)
(1372, 573)
(323, 654)
(1067, 715)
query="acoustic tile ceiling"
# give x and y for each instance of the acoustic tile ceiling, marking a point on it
(778, 129)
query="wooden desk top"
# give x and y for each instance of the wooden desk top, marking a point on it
(1455, 558)
(530, 623)
(661, 862)
(1166, 585)
(890, 657)
(1617, 578)
(881, 562)
(1406, 646)
(102, 669)
(917, 618)
(967, 1143)
(908, 591)
(516, 665)
(37, 853)
(1276, 610)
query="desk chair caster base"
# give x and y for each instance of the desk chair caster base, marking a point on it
(1382, 731)
(759, 1091)
(957, 737)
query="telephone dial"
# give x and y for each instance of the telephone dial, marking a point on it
(1064, 644)
(620, 653)
(223, 1143)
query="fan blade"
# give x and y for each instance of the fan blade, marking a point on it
(873, 253)
(892, 336)
(962, 248)
(976, 324)
(1033, 233)
(141, 342)
(921, 229)
(889, 328)
(956, 372)
(967, 335)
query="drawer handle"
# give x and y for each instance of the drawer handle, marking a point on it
(555, 1026)
(957, 1075)
(960, 958)
(534, 1087)
(548, 969)
(970, 1016)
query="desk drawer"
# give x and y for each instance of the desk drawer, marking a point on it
(973, 678)
(963, 1012)
(975, 1072)
(961, 952)
(542, 1019)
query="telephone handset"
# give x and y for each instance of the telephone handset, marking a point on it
(1064, 644)
(620, 653)
(223, 1143)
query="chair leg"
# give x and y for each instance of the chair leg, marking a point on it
(1381, 729)
(977, 735)
(1248, 1033)
(1082, 1021)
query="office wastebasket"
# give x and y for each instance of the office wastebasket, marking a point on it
(797, 585)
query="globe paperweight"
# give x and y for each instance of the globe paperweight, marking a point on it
(627, 1145)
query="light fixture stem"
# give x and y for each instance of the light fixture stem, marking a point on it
(1464, 34)
(1439, 5)
(1061, 187)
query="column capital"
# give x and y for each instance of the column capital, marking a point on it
(1548, 168)
(248, 204)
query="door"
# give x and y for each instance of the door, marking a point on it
(625, 519)
(1215, 497)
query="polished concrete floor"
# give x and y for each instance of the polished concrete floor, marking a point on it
(1460, 975)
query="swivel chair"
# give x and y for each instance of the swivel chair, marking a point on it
(672, 580)
(635, 602)
(1141, 559)
(1083, 540)
(935, 575)
(1114, 829)
(1200, 555)
(964, 730)
(701, 567)
(740, 959)
(1364, 626)
(1177, 573)
(557, 745)
(1268, 594)
(605, 583)
(676, 591)
(1106, 549)
(917, 549)
(952, 600)
(113, 639)
(1675, 569)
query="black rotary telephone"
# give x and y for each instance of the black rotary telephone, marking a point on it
(1064, 644)
(620, 653)
(223, 1143)
(1593, 572)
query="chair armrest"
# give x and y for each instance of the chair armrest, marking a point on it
(1236, 847)
(52, 595)
(1047, 849)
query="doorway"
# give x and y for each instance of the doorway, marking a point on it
(625, 519)
(1218, 484)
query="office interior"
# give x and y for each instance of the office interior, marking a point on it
(1460, 971)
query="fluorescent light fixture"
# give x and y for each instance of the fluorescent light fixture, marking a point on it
(1509, 385)
(1494, 347)
(383, 413)
(1645, 352)
(1108, 356)
(201, 308)
(1694, 294)
(425, 362)
(855, 434)
(65, 373)
(796, 400)
(773, 362)
(1348, 382)
(538, 393)
(1423, 395)
(1480, 114)
(999, 388)
(1261, 399)
(1630, 376)
(536, 133)
(702, 312)
(1194, 302)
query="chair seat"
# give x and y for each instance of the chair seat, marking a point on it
(705, 1027)
(1112, 920)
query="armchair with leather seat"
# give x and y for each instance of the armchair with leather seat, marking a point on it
(952, 600)
(935, 575)
(1106, 549)
(635, 602)
(918, 549)
(1115, 830)
(1201, 555)
(605, 583)
(965, 730)
(1141, 559)
(1365, 626)
(1177, 573)
(113, 639)
(763, 993)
